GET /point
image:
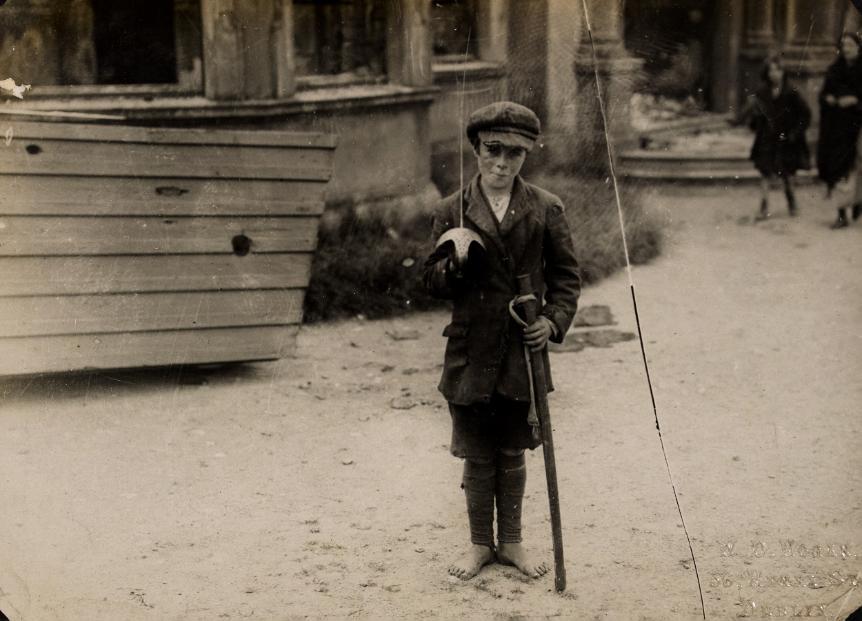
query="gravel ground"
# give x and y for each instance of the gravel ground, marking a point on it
(321, 486)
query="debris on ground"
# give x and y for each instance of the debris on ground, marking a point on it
(402, 334)
(577, 341)
(403, 403)
(594, 316)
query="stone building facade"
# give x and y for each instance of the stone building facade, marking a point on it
(394, 78)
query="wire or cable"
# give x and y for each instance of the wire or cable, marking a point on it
(461, 131)
(634, 297)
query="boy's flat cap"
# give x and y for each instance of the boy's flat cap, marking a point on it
(504, 121)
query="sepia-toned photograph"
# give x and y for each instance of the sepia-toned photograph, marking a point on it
(430, 309)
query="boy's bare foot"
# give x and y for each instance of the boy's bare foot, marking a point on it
(471, 562)
(515, 554)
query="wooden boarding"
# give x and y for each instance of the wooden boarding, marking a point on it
(22, 276)
(29, 131)
(51, 354)
(62, 157)
(158, 196)
(110, 235)
(129, 246)
(127, 312)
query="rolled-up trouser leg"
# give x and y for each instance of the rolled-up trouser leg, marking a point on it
(479, 488)
(511, 482)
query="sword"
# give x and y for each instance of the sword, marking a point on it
(539, 394)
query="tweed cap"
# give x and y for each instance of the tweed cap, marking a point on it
(506, 122)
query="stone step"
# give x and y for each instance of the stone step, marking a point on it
(711, 151)
(655, 165)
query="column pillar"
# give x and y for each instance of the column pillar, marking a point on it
(727, 45)
(811, 29)
(409, 45)
(188, 45)
(77, 46)
(758, 42)
(491, 18)
(563, 26)
(616, 69)
(759, 24)
(409, 49)
(285, 57)
(528, 55)
(31, 51)
(240, 41)
(852, 21)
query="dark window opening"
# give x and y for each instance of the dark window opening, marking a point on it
(135, 42)
(453, 25)
(671, 36)
(338, 37)
(103, 42)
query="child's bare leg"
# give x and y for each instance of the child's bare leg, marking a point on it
(763, 214)
(840, 198)
(791, 197)
(479, 488)
(511, 481)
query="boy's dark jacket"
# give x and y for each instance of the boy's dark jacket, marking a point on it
(485, 352)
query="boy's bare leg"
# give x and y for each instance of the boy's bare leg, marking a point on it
(478, 486)
(511, 481)
(471, 562)
(516, 555)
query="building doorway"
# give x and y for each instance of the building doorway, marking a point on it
(674, 39)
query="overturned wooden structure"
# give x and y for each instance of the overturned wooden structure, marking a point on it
(130, 246)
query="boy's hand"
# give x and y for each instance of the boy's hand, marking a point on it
(536, 335)
(453, 269)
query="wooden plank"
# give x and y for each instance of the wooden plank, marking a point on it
(37, 235)
(151, 273)
(133, 196)
(93, 158)
(144, 349)
(139, 312)
(158, 135)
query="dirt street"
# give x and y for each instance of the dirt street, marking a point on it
(322, 487)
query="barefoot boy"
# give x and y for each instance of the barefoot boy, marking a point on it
(524, 231)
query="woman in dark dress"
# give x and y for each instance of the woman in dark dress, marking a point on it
(840, 120)
(779, 117)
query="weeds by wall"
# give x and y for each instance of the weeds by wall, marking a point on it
(370, 264)
(592, 213)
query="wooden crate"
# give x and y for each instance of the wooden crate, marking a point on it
(130, 246)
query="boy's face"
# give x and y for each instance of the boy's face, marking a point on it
(499, 163)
